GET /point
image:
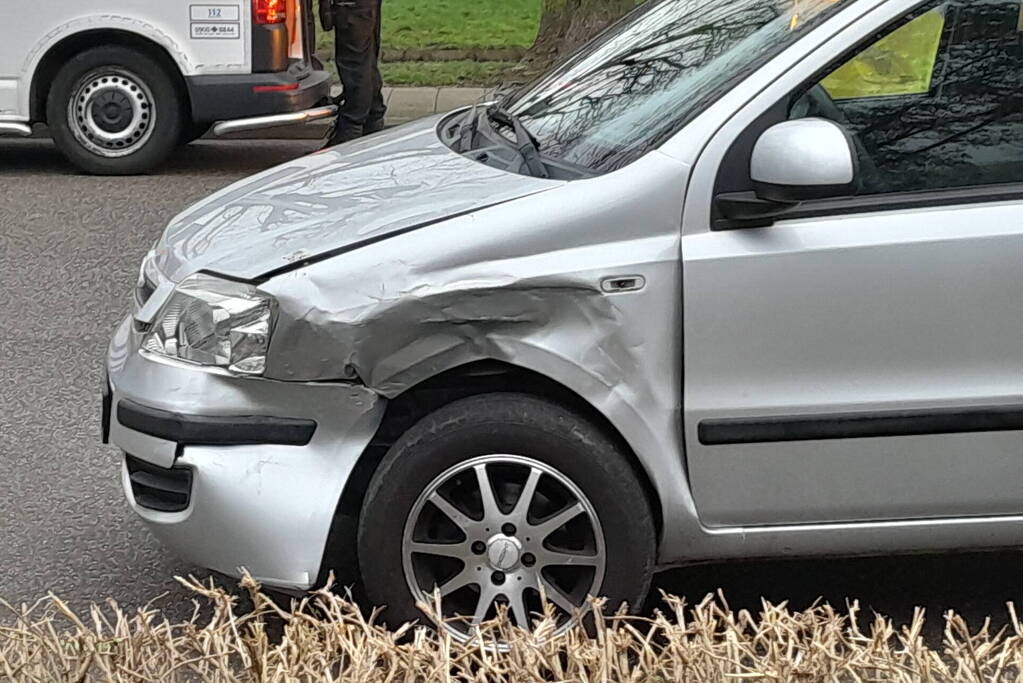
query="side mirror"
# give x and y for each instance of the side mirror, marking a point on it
(810, 158)
(792, 162)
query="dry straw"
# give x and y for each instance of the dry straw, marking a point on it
(323, 638)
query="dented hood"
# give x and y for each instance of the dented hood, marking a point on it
(334, 201)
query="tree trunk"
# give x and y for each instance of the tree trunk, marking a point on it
(566, 24)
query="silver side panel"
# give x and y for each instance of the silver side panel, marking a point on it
(909, 309)
(883, 312)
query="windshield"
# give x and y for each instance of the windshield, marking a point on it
(647, 76)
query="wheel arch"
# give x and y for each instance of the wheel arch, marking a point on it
(82, 39)
(405, 409)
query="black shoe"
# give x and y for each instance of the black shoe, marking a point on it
(338, 135)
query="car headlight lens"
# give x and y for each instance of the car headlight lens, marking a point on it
(215, 322)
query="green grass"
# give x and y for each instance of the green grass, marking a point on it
(455, 24)
(460, 23)
(444, 73)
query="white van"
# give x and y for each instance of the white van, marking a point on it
(120, 83)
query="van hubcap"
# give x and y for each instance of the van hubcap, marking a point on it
(111, 112)
(503, 530)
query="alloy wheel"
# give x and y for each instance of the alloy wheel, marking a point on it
(503, 529)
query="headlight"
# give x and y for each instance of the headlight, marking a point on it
(214, 322)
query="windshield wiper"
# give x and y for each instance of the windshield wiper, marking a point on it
(525, 144)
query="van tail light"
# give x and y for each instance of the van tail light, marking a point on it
(275, 88)
(270, 11)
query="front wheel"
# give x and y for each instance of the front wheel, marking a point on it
(114, 111)
(500, 499)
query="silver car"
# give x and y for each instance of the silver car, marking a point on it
(740, 279)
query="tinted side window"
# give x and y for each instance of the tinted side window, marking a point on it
(936, 103)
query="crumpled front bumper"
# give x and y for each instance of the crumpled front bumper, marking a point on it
(265, 507)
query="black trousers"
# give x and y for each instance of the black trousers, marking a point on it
(357, 40)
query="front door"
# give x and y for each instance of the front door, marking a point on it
(865, 360)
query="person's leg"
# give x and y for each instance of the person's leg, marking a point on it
(355, 39)
(378, 109)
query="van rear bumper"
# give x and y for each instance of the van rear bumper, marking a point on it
(274, 120)
(245, 96)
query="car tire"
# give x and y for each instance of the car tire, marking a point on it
(192, 131)
(511, 436)
(115, 111)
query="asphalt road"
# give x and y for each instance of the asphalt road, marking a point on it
(69, 251)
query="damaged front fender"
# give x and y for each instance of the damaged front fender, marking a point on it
(522, 283)
(400, 338)
(524, 278)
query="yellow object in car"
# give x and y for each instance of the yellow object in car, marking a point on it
(901, 63)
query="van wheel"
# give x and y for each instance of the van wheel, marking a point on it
(495, 498)
(114, 111)
(193, 131)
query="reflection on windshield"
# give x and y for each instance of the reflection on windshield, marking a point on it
(650, 74)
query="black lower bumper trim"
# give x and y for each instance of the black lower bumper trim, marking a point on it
(200, 430)
(225, 98)
(107, 400)
(158, 488)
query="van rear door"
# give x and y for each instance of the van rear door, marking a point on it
(303, 33)
(283, 37)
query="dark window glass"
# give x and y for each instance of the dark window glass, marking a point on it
(937, 102)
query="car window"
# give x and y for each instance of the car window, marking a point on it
(901, 63)
(936, 102)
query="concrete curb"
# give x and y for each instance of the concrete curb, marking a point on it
(403, 105)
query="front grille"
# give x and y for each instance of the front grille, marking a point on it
(156, 488)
